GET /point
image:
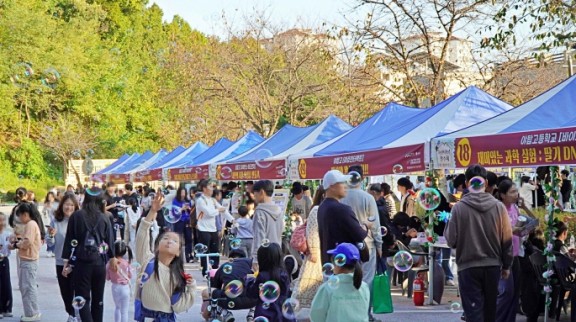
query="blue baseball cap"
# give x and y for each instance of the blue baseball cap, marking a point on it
(350, 251)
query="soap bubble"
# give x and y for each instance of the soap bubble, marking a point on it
(227, 269)
(477, 184)
(333, 282)
(103, 248)
(200, 249)
(231, 305)
(340, 260)
(290, 308)
(78, 302)
(234, 289)
(50, 78)
(354, 178)
(235, 243)
(261, 319)
(403, 261)
(265, 243)
(328, 269)
(383, 231)
(73, 243)
(211, 262)
(173, 215)
(455, 307)
(265, 306)
(135, 266)
(269, 292)
(21, 74)
(429, 198)
(261, 155)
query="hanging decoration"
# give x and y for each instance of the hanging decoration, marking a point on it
(552, 188)
(429, 199)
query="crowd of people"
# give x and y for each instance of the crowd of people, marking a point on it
(126, 234)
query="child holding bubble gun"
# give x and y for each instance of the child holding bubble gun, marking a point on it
(271, 286)
(5, 284)
(344, 297)
(119, 273)
(164, 288)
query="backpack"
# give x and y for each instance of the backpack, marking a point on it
(92, 240)
(139, 312)
(298, 239)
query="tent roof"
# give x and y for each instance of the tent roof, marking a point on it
(245, 143)
(114, 164)
(369, 132)
(290, 139)
(129, 166)
(548, 110)
(158, 164)
(212, 151)
(192, 151)
(129, 160)
(155, 158)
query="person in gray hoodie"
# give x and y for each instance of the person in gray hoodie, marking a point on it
(268, 218)
(480, 231)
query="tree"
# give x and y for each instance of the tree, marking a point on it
(552, 23)
(414, 43)
(68, 138)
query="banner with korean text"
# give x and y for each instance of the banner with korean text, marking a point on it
(533, 148)
(194, 173)
(264, 169)
(378, 162)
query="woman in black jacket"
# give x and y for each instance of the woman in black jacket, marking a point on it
(87, 249)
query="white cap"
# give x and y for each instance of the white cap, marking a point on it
(333, 177)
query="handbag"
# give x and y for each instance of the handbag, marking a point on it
(381, 295)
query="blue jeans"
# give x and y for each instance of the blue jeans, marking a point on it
(444, 260)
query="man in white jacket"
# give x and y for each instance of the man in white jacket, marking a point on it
(207, 209)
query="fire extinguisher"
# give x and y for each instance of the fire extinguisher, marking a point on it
(418, 291)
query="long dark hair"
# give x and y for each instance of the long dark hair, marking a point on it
(270, 260)
(177, 281)
(93, 205)
(20, 194)
(358, 274)
(319, 196)
(59, 213)
(503, 187)
(121, 248)
(179, 192)
(134, 203)
(46, 200)
(34, 214)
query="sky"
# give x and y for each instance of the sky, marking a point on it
(205, 16)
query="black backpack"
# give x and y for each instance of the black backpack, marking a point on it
(92, 240)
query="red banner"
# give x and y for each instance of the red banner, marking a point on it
(544, 147)
(252, 170)
(188, 173)
(119, 178)
(98, 177)
(378, 162)
(148, 175)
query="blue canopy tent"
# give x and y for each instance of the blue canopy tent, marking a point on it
(538, 132)
(468, 107)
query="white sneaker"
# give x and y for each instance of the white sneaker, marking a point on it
(71, 319)
(7, 314)
(450, 283)
(1, 316)
(35, 317)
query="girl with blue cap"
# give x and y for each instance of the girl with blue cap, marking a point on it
(344, 297)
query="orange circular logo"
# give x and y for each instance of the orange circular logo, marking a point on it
(302, 168)
(464, 152)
